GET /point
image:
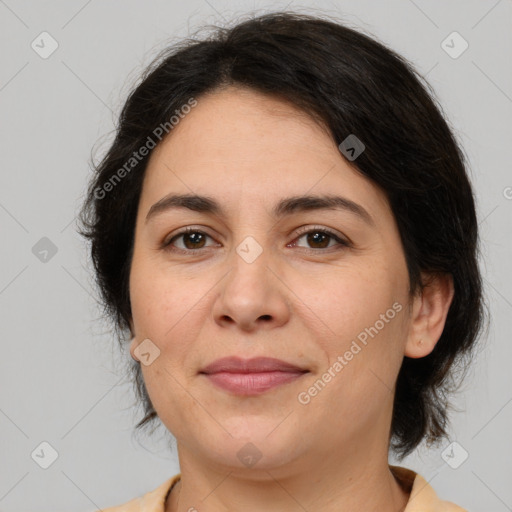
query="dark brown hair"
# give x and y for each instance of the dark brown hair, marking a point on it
(354, 85)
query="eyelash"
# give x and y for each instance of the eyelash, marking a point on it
(342, 242)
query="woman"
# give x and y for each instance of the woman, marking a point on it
(285, 228)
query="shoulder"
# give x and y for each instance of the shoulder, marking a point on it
(152, 501)
(423, 497)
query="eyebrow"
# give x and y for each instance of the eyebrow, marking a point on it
(283, 208)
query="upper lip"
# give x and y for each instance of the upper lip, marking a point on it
(254, 365)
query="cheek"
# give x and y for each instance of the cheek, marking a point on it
(170, 310)
(364, 317)
(350, 299)
(160, 298)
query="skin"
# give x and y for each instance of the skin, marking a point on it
(300, 302)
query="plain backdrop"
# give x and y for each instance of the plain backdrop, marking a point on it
(61, 374)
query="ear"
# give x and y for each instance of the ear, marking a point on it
(429, 312)
(133, 345)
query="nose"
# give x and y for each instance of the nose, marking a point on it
(252, 294)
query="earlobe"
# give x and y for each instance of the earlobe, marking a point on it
(430, 309)
(133, 346)
(417, 348)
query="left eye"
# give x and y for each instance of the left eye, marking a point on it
(318, 238)
(194, 239)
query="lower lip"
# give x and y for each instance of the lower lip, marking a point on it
(251, 383)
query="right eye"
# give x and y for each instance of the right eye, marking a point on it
(193, 239)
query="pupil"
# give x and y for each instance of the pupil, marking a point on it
(315, 238)
(194, 237)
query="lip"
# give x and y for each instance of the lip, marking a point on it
(251, 376)
(254, 365)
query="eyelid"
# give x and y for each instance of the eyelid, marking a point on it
(189, 229)
(341, 240)
(335, 234)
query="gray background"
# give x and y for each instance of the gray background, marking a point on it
(61, 377)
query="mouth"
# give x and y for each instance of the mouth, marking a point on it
(251, 376)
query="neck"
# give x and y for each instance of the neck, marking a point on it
(370, 486)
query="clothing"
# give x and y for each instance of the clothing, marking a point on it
(422, 498)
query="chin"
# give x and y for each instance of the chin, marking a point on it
(265, 444)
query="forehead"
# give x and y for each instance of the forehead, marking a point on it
(238, 122)
(240, 144)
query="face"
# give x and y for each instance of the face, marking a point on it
(325, 289)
